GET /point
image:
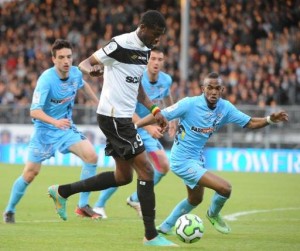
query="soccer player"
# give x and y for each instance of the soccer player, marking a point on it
(199, 117)
(51, 111)
(123, 61)
(157, 86)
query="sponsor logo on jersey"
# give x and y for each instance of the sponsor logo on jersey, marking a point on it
(209, 130)
(133, 80)
(134, 57)
(203, 130)
(61, 101)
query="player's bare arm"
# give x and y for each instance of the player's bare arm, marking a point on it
(148, 120)
(256, 123)
(154, 130)
(89, 93)
(58, 123)
(144, 99)
(172, 126)
(92, 67)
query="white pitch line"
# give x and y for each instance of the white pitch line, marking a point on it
(40, 221)
(233, 217)
(229, 217)
(83, 219)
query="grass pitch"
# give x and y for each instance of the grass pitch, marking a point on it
(263, 212)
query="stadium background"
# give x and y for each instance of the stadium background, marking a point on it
(253, 44)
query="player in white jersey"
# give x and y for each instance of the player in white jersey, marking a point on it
(157, 85)
(199, 117)
(51, 110)
(123, 61)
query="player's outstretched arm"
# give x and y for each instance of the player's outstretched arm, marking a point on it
(276, 117)
(89, 93)
(153, 130)
(159, 118)
(148, 120)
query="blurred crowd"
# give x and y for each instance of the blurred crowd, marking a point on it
(254, 44)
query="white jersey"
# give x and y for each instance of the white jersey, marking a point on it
(125, 57)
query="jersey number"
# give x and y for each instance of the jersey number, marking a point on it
(139, 140)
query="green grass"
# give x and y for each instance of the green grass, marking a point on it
(275, 227)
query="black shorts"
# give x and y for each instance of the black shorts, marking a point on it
(122, 139)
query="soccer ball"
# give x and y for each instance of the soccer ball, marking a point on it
(189, 228)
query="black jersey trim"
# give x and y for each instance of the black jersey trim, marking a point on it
(128, 56)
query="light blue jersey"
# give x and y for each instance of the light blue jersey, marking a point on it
(197, 122)
(56, 98)
(156, 92)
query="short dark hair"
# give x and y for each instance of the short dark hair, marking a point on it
(212, 75)
(153, 19)
(158, 49)
(60, 44)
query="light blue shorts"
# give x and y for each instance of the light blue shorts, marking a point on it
(45, 142)
(151, 144)
(189, 170)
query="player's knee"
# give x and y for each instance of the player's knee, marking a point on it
(91, 158)
(144, 168)
(225, 190)
(164, 167)
(195, 200)
(146, 173)
(124, 180)
(29, 175)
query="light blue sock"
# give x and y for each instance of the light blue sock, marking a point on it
(104, 196)
(88, 170)
(181, 208)
(16, 194)
(157, 177)
(217, 204)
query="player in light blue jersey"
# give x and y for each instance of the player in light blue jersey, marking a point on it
(51, 111)
(200, 117)
(157, 85)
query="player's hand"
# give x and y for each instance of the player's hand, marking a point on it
(62, 124)
(154, 131)
(161, 121)
(281, 116)
(96, 71)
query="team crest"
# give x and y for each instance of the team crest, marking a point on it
(64, 86)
